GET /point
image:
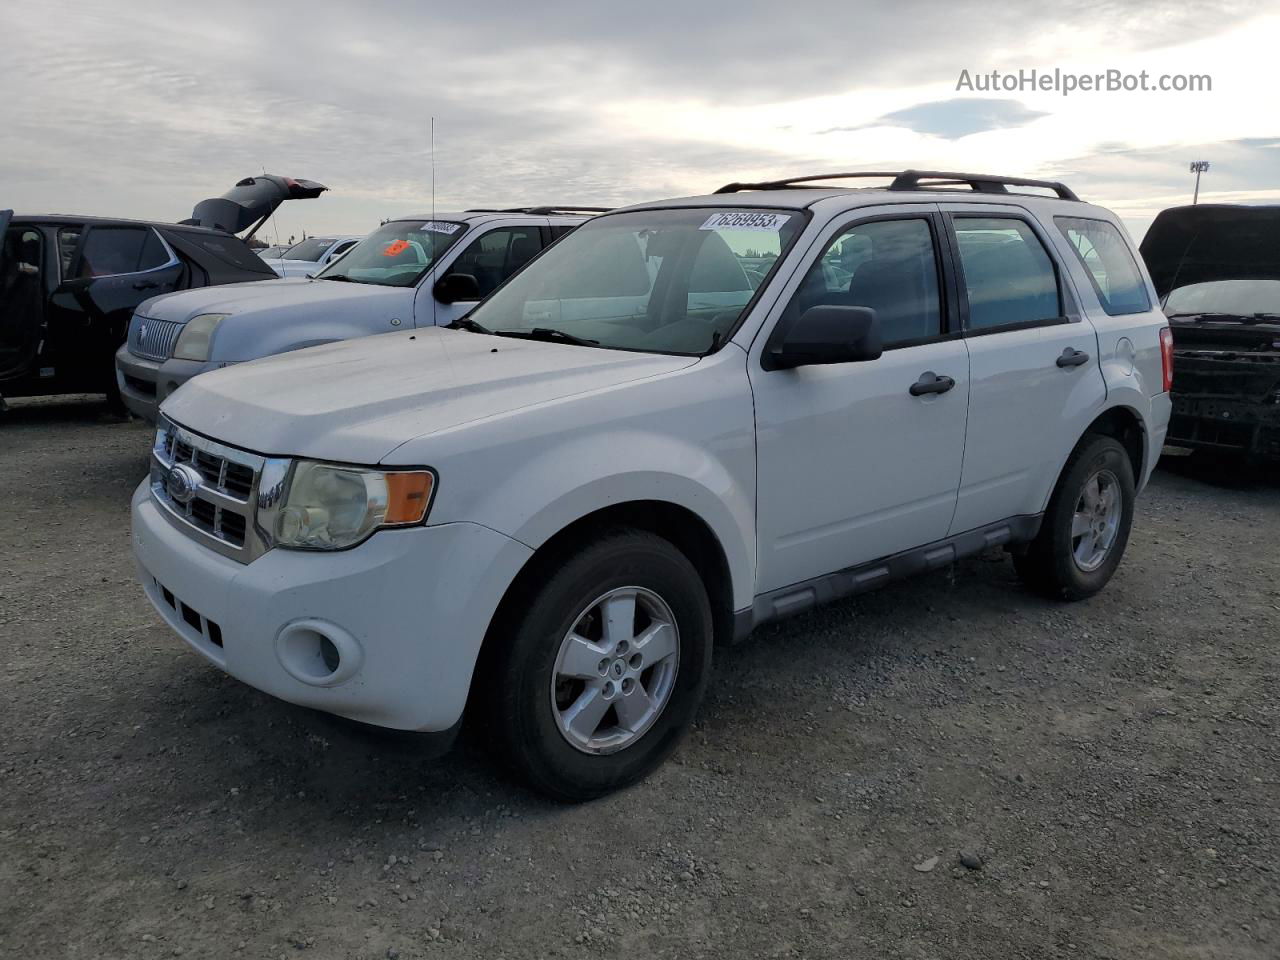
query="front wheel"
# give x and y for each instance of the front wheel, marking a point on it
(1086, 527)
(602, 666)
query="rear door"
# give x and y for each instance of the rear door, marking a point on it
(114, 268)
(1033, 361)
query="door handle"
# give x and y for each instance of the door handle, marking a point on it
(931, 382)
(1072, 358)
(145, 285)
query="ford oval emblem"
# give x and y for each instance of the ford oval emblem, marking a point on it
(184, 480)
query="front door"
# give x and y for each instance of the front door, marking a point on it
(491, 258)
(1033, 356)
(852, 463)
(22, 274)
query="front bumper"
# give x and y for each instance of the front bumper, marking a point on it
(408, 608)
(144, 384)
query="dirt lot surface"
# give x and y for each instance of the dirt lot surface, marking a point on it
(1109, 768)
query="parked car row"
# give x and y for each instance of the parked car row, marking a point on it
(69, 285)
(571, 465)
(412, 272)
(308, 257)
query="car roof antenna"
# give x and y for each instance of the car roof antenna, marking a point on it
(430, 233)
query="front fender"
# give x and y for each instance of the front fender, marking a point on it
(691, 478)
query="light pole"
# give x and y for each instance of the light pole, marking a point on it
(1198, 167)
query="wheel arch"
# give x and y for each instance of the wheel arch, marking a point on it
(679, 525)
(1124, 424)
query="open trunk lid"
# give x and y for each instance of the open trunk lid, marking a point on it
(250, 202)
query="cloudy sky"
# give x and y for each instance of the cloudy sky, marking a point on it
(141, 108)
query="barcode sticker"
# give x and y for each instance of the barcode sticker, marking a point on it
(744, 220)
(442, 226)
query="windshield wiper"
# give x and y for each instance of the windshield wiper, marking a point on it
(336, 276)
(548, 334)
(466, 323)
(1219, 315)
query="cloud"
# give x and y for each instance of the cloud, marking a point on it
(956, 118)
(126, 109)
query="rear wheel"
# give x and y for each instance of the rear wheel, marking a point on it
(602, 667)
(1086, 527)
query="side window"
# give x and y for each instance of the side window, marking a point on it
(890, 266)
(558, 230)
(1008, 275)
(341, 248)
(153, 253)
(68, 244)
(1109, 262)
(497, 255)
(111, 250)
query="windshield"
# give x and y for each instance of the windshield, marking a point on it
(1240, 297)
(397, 254)
(664, 281)
(312, 249)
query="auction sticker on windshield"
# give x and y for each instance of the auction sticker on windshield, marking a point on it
(442, 226)
(740, 220)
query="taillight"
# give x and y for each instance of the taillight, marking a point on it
(1166, 357)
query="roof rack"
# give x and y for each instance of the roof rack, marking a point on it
(541, 211)
(911, 180)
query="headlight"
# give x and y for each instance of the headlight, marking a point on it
(330, 507)
(193, 341)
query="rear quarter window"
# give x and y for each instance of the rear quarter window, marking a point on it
(1106, 257)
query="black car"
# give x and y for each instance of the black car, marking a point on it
(69, 285)
(1216, 268)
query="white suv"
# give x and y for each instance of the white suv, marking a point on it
(684, 420)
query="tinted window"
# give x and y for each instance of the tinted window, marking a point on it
(497, 255)
(154, 253)
(887, 265)
(1112, 269)
(1008, 275)
(68, 244)
(111, 250)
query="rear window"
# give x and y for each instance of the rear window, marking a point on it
(228, 249)
(1106, 257)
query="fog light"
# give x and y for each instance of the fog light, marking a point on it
(318, 653)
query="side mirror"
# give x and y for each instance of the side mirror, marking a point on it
(453, 287)
(826, 334)
(74, 285)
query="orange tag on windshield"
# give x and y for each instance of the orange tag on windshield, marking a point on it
(399, 246)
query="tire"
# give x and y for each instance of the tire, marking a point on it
(1071, 566)
(534, 697)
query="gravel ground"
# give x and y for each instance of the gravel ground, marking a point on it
(1109, 769)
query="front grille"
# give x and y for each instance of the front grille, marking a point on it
(152, 339)
(220, 512)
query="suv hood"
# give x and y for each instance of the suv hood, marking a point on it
(357, 401)
(293, 294)
(1212, 241)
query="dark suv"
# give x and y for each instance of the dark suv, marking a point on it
(68, 284)
(1216, 267)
